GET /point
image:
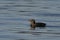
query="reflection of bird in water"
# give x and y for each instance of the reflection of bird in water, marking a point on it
(34, 24)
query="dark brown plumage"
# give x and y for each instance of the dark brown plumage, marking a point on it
(34, 24)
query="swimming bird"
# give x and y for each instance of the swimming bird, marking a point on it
(35, 24)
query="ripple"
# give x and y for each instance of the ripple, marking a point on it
(7, 3)
(24, 14)
(20, 5)
(53, 26)
(23, 6)
(25, 11)
(3, 8)
(6, 36)
(55, 36)
(58, 7)
(46, 7)
(50, 21)
(51, 15)
(4, 13)
(27, 32)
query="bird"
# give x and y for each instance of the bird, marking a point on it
(34, 24)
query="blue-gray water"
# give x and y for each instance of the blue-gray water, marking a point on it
(14, 16)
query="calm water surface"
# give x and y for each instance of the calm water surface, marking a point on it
(14, 16)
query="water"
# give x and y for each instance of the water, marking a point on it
(14, 16)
